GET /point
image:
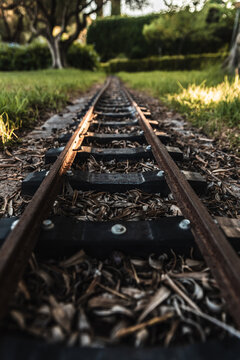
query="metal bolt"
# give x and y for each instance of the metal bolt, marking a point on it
(149, 147)
(47, 172)
(185, 224)
(141, 132)
(118, 229)
(161, 173)
(47, 224)
(14, 224)
(69, 173)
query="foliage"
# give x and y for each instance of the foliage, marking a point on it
(59, 22)
(7, 129)
(82, 57)
(12, 25)
(184, 31)
(37, 56)
(114, 35)
(25, 96)
(28, 57)
(208, 100)
(223, 100)
(170, 63)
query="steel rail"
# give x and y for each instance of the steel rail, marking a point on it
(215, 248)
(17, 249)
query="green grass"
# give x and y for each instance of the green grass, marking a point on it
(208, 98)
(26, 95)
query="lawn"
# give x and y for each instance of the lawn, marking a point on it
(27, 95)
(208, 98)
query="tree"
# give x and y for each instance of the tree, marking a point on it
(186, 30)
(232, 63)
(173, 5)
(100, 8)
(12, 24)
(58, 21)
(133, 4)
(115, 7)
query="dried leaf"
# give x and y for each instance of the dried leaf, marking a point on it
(162, 294)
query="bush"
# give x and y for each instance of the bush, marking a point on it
(168, 63)
(114, 35)
(168, 33)
(37, 56)
(82, 57)
(29, 57)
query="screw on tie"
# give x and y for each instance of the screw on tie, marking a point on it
(14, 224)
(47, 224)
(149, 147)
(185, 224)
(161, 173)
(118, 229)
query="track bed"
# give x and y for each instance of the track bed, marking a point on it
(126, 252)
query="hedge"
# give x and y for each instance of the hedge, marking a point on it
(16, 57)
(121, 35)
(168, 63)
(116, 36)
(82, 57)
(37, 56)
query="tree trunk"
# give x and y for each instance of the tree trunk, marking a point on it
(54, 46)
(100, 11)
(232, 63)
(63, 53)
(116, 7)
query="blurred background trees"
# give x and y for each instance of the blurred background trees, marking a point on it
(193, 27)
(188, 30)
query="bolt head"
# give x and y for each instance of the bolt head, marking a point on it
(47, 224)
(185, 224)
(118, 229)
(160, 173)
(148, 147)
(14, 224)
(69, 173)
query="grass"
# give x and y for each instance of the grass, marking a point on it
(26, 95)
(208, 98)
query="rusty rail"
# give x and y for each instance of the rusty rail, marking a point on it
(215, 248)
(17, 249)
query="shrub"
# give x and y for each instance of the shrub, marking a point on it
(29, 57)
(114, 35)
(168, 33)
(82, 57)
(37, 56)
(169, 63)
(186, 32)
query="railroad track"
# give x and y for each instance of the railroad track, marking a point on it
(138, 139)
